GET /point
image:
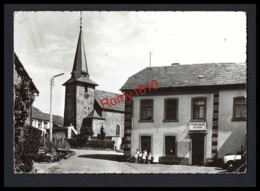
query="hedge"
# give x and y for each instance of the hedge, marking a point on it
(100, 144)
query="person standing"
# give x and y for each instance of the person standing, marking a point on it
(136, 155)
(140, 156)
(144, 156)
(149, 158)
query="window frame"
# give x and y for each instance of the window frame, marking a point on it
(205, 109)
(140, 111)
(234, 105)
(177, 110)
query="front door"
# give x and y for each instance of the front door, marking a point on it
(170, 145)
(197, 150)
(146, 143)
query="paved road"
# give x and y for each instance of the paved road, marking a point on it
(91, 161)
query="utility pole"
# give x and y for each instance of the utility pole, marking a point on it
(52, 84)
(150, 58)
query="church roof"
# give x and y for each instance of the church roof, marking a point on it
(94, 115)
(81, 79)
(190, 75)
(99, 95)
(80, 68)
(80, 60)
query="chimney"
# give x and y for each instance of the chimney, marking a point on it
(175, 64)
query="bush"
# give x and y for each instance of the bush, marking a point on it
(100, 144)
(27, 150)
(73, 143)
(85, 133)
(102, 134)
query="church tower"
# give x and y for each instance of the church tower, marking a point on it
(80, 89)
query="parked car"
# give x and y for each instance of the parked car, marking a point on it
(235, 162)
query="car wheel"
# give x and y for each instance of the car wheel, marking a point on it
(230, 166)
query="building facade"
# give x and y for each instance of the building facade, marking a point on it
(60, 134)
(83, 108)
(196, 116)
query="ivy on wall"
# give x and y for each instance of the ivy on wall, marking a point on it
(26, 138)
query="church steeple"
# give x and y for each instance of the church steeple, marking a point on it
(80, 67)
(80, 89)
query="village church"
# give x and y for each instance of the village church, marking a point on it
(83, 108)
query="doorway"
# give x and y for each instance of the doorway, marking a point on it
(146, 142)
(170, 146)
(198, 150)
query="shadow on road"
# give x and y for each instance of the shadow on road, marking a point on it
(118, 158)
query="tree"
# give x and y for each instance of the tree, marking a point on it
(85, 133)
(102, 134)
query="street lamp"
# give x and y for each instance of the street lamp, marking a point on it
(52, 84)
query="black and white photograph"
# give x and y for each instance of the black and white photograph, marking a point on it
(130, 92)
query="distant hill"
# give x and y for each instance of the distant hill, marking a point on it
(38, 114)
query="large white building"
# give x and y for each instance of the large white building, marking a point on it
(197, 115)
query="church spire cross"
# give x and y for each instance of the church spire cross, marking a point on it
(80, 67)
(80, 20)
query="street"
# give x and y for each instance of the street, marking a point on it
(94, 161)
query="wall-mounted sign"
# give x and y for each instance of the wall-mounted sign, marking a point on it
(197, 126)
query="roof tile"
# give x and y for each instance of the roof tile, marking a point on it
(188, 75)
(99, 95)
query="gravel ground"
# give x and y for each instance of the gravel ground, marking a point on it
(94, 161)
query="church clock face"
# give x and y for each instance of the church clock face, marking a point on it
(86, 95)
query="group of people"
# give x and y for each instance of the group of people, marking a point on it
(143, 157)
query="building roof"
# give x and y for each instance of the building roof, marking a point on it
(94, 115)
(99, 95)
(38, 114)
(80, 60)
(58, 128)
(214, 74)
(81, 79)
(21, 68)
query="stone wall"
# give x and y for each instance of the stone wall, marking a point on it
(78, 104)
(84, 104)
(70, 107)
(96, 125)
(111, 120)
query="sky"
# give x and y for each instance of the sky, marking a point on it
(117, 45)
